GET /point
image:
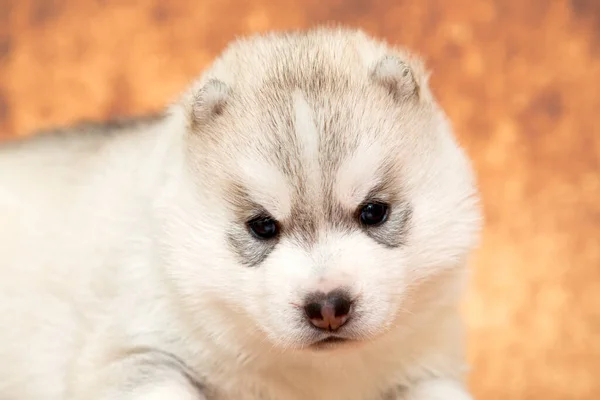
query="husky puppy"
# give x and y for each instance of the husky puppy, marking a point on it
(295, 225)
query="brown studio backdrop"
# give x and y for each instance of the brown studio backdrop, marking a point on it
(520, 81)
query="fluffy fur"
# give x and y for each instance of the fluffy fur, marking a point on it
(127, 270)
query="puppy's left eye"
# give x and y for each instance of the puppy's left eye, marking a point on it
(264, 228)
(373, 214)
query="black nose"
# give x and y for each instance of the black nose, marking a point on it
(328, 311)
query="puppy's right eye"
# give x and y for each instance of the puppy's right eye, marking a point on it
(373, 214)
(264, 228)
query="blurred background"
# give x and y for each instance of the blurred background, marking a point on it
(520, 81)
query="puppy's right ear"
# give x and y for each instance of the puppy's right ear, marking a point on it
(403, 75)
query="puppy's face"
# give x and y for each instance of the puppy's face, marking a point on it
(330, 207)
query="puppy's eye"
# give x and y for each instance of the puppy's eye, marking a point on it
(372, 214)
(263, 228)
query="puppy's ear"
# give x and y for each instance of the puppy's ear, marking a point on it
(202, 102)
(208, 102)
(404, 78)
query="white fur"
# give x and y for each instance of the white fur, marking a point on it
(437, 389)
(268, 186)
(355, 177)
(116, 279)
(308, 135)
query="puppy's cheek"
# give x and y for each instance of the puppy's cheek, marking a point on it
(384, 286)
(269, 290)
(287, 273)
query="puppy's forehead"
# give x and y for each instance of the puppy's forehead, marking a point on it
(315, 128)
(310, 155)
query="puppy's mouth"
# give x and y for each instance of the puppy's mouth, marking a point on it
(330, 342)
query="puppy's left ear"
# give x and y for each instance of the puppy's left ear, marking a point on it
(202, 102)
(208, 102)
(404, 76)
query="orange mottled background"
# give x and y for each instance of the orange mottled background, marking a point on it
(520, 80)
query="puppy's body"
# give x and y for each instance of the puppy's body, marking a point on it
(128, 269)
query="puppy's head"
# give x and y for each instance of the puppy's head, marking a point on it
(329, 200)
